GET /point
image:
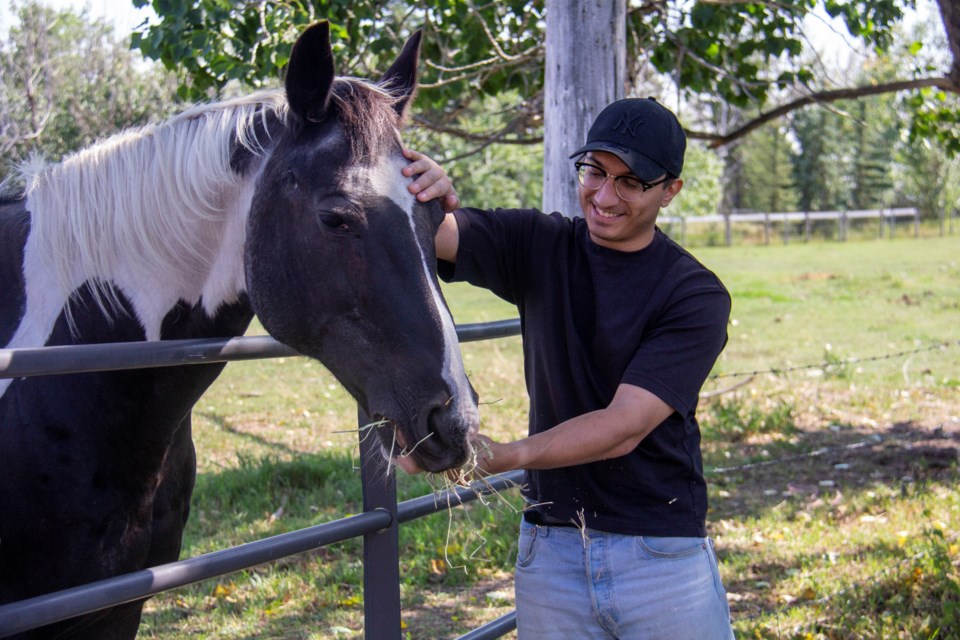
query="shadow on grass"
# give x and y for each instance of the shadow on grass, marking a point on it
(817, 464)
(838, 479)
(224, 425)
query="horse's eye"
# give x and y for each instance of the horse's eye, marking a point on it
(333, 221)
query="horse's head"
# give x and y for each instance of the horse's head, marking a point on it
(340, 260)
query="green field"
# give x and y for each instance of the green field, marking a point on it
(830, 437)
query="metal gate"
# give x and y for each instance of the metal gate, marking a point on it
(378, 524)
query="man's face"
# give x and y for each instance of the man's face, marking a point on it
(613, 222)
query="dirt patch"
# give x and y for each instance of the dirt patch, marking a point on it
(449, 613)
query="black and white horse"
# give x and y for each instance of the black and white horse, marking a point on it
(287, 204)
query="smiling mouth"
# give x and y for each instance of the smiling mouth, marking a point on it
(606, 215)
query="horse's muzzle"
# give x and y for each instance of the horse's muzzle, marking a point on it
(437, 438)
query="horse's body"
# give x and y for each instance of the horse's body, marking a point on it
(288, 205)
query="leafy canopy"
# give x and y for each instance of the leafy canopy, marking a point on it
(736, 51)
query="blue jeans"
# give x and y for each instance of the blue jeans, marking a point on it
(604, 585)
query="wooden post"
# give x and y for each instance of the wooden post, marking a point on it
(585, 71)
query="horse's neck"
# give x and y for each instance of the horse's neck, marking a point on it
(210, 274)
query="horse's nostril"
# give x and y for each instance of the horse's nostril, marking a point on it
(434, 427)
(448, 433)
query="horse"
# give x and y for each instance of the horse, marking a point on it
(286, 204)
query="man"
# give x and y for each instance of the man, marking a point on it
(620, 327)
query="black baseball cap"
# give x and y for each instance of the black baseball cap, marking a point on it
(643, 133)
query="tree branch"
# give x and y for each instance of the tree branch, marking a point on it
(719, 140)
(484, 139)
(489, 65)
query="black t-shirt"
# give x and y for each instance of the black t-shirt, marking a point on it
(591, 319)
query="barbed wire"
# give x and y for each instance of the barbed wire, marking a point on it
(828, 364)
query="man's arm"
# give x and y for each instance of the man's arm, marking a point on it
(448, 239)
(599, 435)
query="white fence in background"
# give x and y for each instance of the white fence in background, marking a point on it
(799, 224)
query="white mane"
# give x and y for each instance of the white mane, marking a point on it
(152, 200)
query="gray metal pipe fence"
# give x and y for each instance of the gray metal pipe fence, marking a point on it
(378, 524)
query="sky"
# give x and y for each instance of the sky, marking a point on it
(121, 13)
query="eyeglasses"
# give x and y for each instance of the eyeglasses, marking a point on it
(630, 188)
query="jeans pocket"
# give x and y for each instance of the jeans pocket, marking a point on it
(668, 547)
(527, 544)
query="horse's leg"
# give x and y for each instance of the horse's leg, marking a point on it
(171, 503)
(171, 507)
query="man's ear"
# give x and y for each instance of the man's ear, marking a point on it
(671, 192)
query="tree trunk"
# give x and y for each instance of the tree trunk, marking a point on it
(585, 71)
(950, 13)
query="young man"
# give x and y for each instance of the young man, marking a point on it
(620, 327)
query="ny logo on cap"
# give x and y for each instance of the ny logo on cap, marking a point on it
(629, 122)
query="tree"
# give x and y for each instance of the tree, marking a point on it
(874, 143)
(928, 176)
(814, 167)
(739, 53)
(66, 81)
(847, 150)
(701, 184)
(577, 87)
(768, 177)
(723, 49)
(507, 175)
(845, 156)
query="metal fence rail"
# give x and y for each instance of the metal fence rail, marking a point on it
(378, 524)
(54, 607)
(114, 356)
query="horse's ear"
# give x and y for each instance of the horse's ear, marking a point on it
(310, 73)
(401, 78)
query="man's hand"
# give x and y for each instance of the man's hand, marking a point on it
(432, 181)
(475, 467)
(491, 458)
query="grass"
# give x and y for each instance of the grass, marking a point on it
(832, 466)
